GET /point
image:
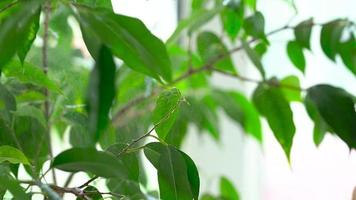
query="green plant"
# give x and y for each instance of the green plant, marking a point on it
(110, 109)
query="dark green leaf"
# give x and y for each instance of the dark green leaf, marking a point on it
(296, 55)
(192, 23)
(92, 193)
(7, 103)
(289, 87)
(337, 108)
(12, 35)
(330, 37)
(179, 130)
(101, 93)
(232, 18)
(210, 48)
(254, 25)
(193, 175)
(347, 52)
(128, 39)
(90, 160)
(302, 33)
(12, 155)
(254, 57)
(271, 103)
(7, 182)
(128, 188)
(165, 111)
(96, 3)
(227, 190)
(31, 111)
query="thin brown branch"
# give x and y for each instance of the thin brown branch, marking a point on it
(88, 182)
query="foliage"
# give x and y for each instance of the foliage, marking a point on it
(110, 107)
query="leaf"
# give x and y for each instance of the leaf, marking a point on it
(165, 111)
(29, 73)
(128, 188)
(13, 155)
(92, 193)
(7, 103)
(177, 174)
(271, 103)
(128, 39)
(337, 108)
(31, 111)
(347, 51)
(330, 37)
(90, 160)
(101, 93)
(251, 3)
(227, 190)
(13, 187)
(289, 93)
(194, 22)
(210, 48)
(96, 3)
(30, 37)
(198, 4)
(296, 55)
(254, 25)
(232, 19)
(12, 35)
(239, 108)
(254, 57)
(302, 33)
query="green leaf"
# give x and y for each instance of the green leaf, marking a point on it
(128, 188)
(271, 103)
(210, 48)
(347, 51)
(239, 108)
(179, 130)
(13, 155)
(303, 32)
(13, 186)
(177, 175)
(101, 93)
(232, 19)
(96, 3)
(7, 103)
(288, 83)
(254, 25)
(254, 57)
(31, 111)
(29, 73)
(227, 190)
(330, 37)
(194, 22)
(90, 160)
(198, 4)
(30, 37)
(92, 193)
(251, 3)
(128, 39)
(337, 108)
(296, 55)
(165, 111)
(12, 35)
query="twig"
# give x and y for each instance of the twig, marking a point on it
(47, 12)
(8, 6)
(69, 180)
(88, 182)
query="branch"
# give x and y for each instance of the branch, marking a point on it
(9, 6)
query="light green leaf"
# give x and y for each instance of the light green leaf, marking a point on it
(254, 25)
(90, 160)
(210, 48)
(194, 22)
(101, 93)
(302, 33)
(271, 103)
(31, 111)
(289, 93)
(13, 155)
(29, 73)
(232, 19)
(254, 57)
(337, 108)
(251, 3)
(227, 190)
(296, 55)
(165, 111)
(330, 37)
(12, 36)
(128, 39)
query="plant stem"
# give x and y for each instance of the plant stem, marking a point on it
(8, 6)
(47, 12)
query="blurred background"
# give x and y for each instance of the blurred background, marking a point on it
(262, 172)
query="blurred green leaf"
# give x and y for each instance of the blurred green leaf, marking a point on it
(128, 39)
(7, 103)
(330, 37)
(13, 186)
(210, 48)
(165, 111)
(96, 3)
(337, 108)
(90, 160)
(271, 103)
(12, 36)
(12, 155)
(296, 55)
(254, 57)
(347, 51)
(101, 93)
(31, 111)
(232, 19)
(227, 190)
(128, 188)
(302, 33)
(289, 87)
(92, 193)
(254, 25)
